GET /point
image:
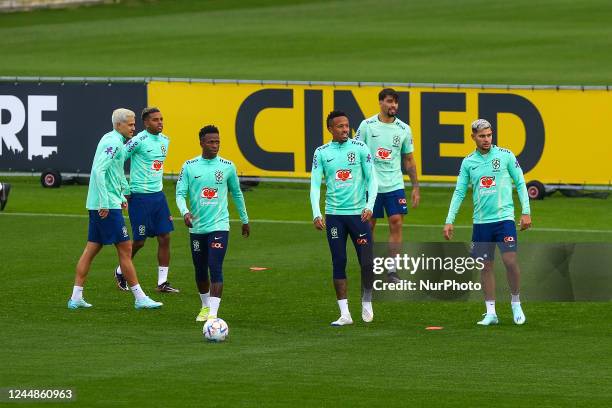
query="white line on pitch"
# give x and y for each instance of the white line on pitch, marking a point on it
(300, 222)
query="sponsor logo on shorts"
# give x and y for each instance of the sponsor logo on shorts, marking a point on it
(487, 182)
(141, 230)
(344, 175)
(157, 165)
(196, 245)
(216, 245)
(383, 154)
(209, 193)
(362, 241)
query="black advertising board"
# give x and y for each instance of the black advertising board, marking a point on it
(58, 125)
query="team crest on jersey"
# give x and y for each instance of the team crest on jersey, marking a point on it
(383, 154)
(487, 182)
(334, 232)
(164, 150)
(218, 176)
(157, 165)
(344, 175)
(350, 157)
(495, 163)
(396, 141)
(196, 245)
(209, 193)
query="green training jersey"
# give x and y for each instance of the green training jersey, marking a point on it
(206, 183)
(349, 174)
(107, 183)
(147, 153)
(387, 142)
(491, 176)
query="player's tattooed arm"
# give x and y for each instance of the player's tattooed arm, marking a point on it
(410, 167)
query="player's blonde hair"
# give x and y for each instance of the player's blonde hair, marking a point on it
(480, 124)
(122, 115)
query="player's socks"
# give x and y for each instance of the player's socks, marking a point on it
(344, 309)
(515, 298)
(345, 315)
(367, 313)
(77, 293)
(491, 316)
(214, 303)
(138, 292)
(118, 271)
(490, 307)
(205, 297)
(162, 274)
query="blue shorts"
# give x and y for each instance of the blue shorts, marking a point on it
(207, 254)
(149, 215)
(110, 230)
(339, 228)
(486, 236)
(394, 202)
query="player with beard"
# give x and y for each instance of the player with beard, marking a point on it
(390, 142)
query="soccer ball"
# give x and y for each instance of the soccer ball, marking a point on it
(215, 330)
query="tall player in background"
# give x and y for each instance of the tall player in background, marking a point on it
(491, 170)
(149, 212)
(349, 175)
(105, 199)
(206, 180)
(390, 142)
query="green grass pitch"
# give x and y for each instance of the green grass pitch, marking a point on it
(282, 350)
(442, 41)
